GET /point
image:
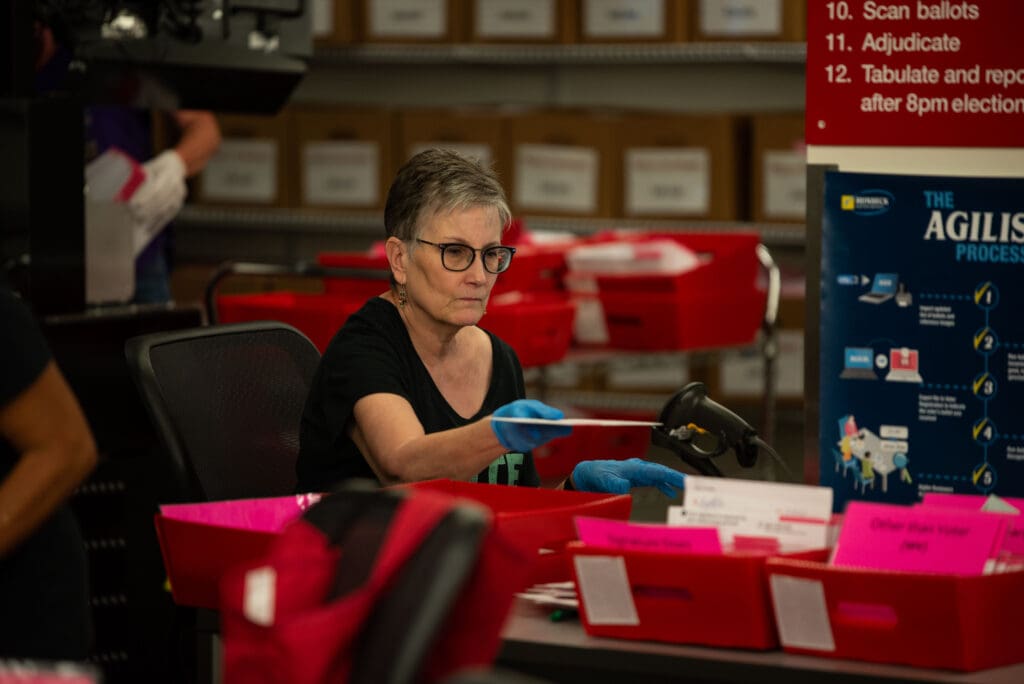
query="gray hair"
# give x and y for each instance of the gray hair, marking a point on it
(438, 181)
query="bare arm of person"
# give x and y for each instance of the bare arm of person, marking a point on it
(392, 439)
(200, 138)
(46, 426)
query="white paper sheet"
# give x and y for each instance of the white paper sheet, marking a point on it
(598, 422)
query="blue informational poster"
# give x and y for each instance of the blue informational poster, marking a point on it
(922, 337)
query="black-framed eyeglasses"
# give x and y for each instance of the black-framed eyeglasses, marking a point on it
(457, 257)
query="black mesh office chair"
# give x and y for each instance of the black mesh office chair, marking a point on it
(226, 401)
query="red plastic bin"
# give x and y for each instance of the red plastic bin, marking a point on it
(925, 620)
(318, 316)
(717, 304)
(200, 542)
(537, 519)
(535, 268)
(712, 600)
(537, 325)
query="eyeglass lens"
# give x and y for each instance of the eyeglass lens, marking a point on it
(460, 257)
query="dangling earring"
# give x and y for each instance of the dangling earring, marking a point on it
(403, 296)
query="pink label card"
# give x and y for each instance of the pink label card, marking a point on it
(657, 538)
(917, 539)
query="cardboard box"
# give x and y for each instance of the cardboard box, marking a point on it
(920, 619)
(748, 20)
(680, 166)
(625, 21)
(778, 168)
(252, 166)
(521, 21)
(563, 163)
(476, 133)
(412, 21)
(343, 157)
(335, 22)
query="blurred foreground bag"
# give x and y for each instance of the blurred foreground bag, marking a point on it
(372, 586)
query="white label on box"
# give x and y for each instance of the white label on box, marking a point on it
(648, 371)
(478, 151)
(341, 172)
(741, 17)
(801, 613)
(667, 180)
(515, 18)
(605, 591)
(323, 18)
(742, 372)
(557, 177)
(623, 18)
(413, 18)
(785, 184)
(242, 170)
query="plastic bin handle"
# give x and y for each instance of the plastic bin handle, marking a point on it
(302, 268)
(866, 615)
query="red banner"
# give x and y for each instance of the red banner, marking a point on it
(946, 73)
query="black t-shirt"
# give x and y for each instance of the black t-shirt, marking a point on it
(372, 353)
(44, 610)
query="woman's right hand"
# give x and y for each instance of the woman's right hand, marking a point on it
(523, 437)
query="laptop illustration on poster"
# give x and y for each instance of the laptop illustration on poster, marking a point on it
(883, 288)
(858, 364)
(903, 366)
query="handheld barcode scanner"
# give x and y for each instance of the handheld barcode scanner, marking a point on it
(699, 430)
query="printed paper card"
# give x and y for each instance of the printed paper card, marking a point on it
(918, 539)
(1010, 554)
(625, 536)
(795, 517)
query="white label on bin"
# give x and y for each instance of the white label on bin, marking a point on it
(605, 591)
(557, 177)
(243, 170)
(323, 18)
(667, 180)
(801, 613)
(418, 18)
(741, 17)
(341, 172)
(479, 151)
(625, 18)
(785, 184)
(515, 18)
(260, 595)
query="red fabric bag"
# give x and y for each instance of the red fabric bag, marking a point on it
(298, 614)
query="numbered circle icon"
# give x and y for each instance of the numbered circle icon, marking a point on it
(983, 431)
(985, 341)
(984, 385)
(984, 477)
(986, 295)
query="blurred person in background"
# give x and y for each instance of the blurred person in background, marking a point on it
(46, 451)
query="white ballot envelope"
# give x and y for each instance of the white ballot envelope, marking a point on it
(796, 516)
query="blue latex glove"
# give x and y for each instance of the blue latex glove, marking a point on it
(618, 477)
(520, 437)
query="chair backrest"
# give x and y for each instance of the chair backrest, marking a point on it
(226, 401)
